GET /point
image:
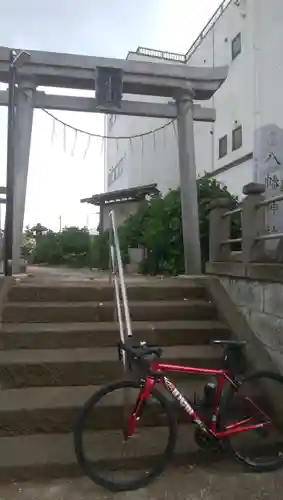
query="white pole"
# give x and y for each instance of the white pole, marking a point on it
(121, 275)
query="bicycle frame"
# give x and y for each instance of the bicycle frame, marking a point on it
(222, 376)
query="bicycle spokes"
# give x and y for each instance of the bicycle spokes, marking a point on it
(254, 422)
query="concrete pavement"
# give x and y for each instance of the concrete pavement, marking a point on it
(213, 482)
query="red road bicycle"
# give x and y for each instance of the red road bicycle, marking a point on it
(235, 413)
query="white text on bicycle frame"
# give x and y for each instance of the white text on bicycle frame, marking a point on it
(177, 395)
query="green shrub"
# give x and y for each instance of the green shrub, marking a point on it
(157, 226)
(70, 247)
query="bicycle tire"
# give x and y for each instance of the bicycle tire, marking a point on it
(162, 461)
(227, 399)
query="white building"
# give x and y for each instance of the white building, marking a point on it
(247, 36)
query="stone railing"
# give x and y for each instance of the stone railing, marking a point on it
(253, 252)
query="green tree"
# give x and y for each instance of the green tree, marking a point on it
(157, 226)
(48, 249)
(75, 246)
(69, 247)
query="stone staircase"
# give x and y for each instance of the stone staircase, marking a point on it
(58, 345)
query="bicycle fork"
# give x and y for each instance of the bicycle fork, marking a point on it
(131, 420)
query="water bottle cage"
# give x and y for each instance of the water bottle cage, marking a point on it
(197, 400)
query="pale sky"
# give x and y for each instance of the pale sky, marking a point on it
(59, 177)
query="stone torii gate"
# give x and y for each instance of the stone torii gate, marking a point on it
(111, 78)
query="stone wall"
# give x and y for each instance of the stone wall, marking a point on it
(262, 305)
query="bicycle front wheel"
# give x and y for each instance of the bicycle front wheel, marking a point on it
(106, 456)
(256, 400)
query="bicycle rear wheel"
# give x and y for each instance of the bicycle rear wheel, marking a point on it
(256, 399)
(104, 454)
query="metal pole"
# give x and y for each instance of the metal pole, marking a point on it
(120, 271)
(101, 232)
(189, 194)
(8, 239)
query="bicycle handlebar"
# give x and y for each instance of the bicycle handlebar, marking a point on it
(139, 351)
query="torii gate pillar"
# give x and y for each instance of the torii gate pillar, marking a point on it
(22, 142)
(188, 184)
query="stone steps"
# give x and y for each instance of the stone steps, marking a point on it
(168, 289)
(40, 456)
(58, 345)
(67, 312)
(43, 410)
(106, 334)
(85, 366)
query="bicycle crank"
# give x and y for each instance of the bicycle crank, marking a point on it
(205, 441)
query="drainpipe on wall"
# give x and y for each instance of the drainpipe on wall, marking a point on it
(212, 131)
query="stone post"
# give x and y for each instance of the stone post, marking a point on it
(219, 230)
(23, 130)
(253, 222)
(188, 184)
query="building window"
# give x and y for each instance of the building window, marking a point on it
(236, 46)
(222, 145)
(237, 138)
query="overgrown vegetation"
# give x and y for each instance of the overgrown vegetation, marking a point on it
(157, 227)
(71, 247)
